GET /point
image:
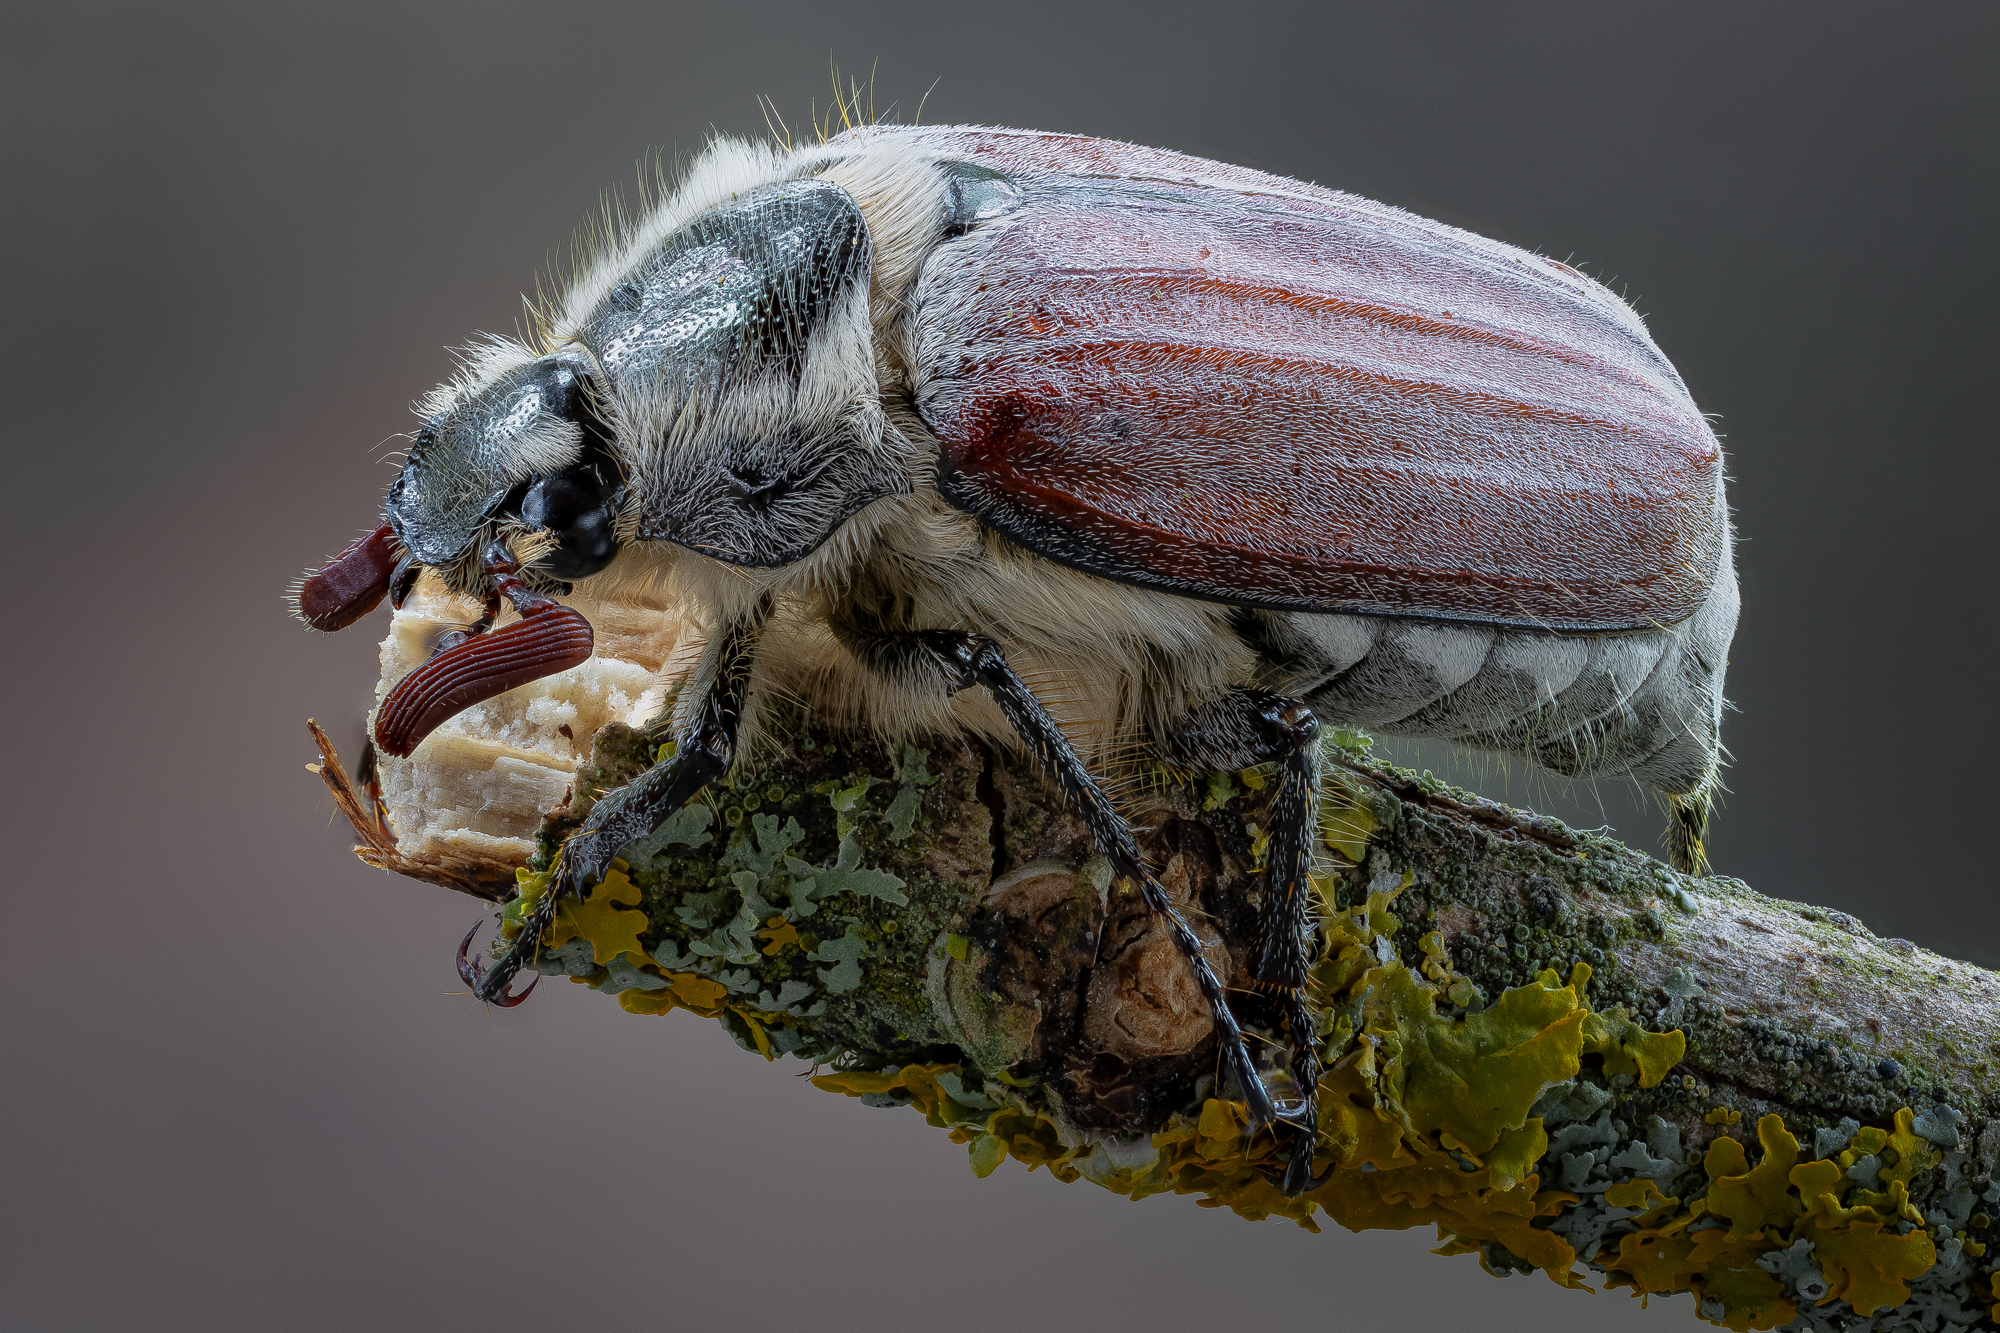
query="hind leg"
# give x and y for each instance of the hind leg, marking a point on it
(1687, 827)
(1238, 730)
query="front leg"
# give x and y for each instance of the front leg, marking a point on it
(706, 750)
(954, 661)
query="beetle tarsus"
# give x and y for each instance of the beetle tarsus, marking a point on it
(468, 972)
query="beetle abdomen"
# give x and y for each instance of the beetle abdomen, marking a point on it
(1643, 704)
(1274, 395)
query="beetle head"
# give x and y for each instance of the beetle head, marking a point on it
(510, 490)
(524, 456)
(713, 388)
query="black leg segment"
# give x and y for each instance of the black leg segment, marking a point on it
(705, 752)
(1236, 731)
(960, 660)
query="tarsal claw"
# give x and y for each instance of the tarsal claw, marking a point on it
(468, 972)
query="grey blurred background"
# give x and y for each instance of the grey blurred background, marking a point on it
(238, 1092)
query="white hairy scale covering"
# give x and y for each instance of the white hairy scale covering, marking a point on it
(1117, 665)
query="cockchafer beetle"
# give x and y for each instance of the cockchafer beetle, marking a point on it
(1210, 456)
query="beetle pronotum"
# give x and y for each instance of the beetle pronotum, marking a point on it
(1210, 455)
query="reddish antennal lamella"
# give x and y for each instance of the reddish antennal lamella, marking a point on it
(471, 665)
(351, 584)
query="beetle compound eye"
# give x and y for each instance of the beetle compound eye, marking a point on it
(575, 506)
(469, 460)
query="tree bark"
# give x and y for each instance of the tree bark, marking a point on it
(1817, 1149)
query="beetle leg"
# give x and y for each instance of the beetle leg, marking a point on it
(1283, 951)
(1236, 731)
(962, 660)
(487, 615)
(403, 580)
(706, 750)
(470, 975)
(1687, 827)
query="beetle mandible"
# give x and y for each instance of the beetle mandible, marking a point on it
(915, 410)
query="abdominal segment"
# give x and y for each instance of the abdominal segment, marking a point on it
(1643, 704)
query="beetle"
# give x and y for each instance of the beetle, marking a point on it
(1212, 456)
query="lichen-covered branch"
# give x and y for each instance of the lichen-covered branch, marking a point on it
(1558, 1051)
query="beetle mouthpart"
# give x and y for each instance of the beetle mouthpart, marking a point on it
(553, 639)
(402, 579)
(469, 974)
(351, 584)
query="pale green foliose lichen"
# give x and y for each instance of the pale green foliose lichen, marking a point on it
(1501, 1121)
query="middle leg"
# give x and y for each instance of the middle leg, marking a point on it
(953, 661)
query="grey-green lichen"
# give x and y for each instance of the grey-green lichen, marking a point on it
(797, 904)
(929, 923)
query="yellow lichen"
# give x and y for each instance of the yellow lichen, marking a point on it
(1628, 1048)
(611, 932)
(1030, 1139)
(1424, 1120)
(1754, 1198)
(987, 1152)
(1437, 963)
(1008, 1131)
(778, 933)
(1346, 820)
(1640, 1193)
(760, 1038)
(1866, 1268)
(685, 990)
(1772, 1205)
(599, 920)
